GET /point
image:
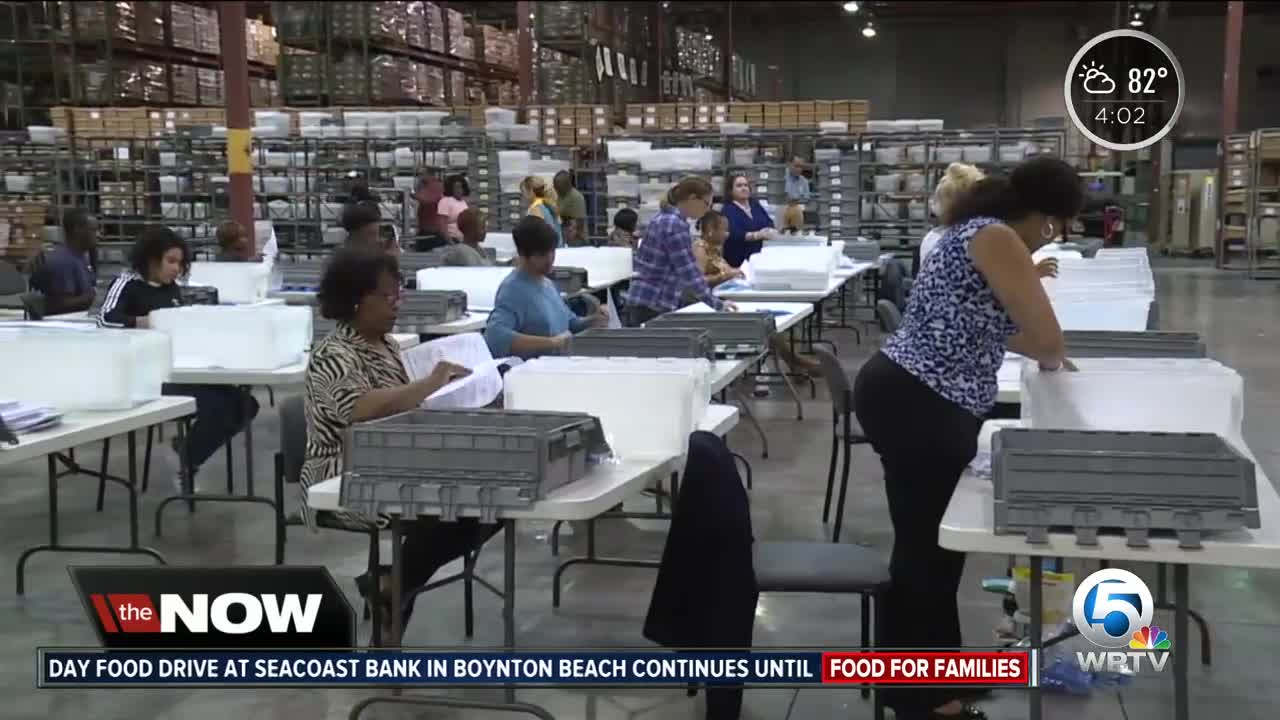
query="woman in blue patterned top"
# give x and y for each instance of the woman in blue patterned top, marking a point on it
(922, 398)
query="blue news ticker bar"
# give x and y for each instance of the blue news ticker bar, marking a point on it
(58, 668)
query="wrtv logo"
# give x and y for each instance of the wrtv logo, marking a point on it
(224, 608)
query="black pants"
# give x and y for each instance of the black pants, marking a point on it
(925, 442)
(221, 412)
(638, 315)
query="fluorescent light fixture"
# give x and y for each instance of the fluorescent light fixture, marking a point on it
(708, 37)
(869, 31)
(851, 7)
(1136, 22)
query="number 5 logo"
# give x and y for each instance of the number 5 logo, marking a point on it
(1110, 605)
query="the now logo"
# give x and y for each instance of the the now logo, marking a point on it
(230, 613)
(258, 607)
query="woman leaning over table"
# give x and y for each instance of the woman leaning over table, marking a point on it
(921, 399)
(749, 224)
(355, 375)
(664, 263)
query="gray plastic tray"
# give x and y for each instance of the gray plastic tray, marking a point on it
(420, 309)
(646, 342)
(569, 279)
(412, 262)
(1088, 481)
(456, 459)
(1087, 343)
(737, 333)
(862, 251)
(300, 275)
(198, 295)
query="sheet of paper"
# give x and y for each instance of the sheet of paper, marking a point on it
(466, 349)
(476, 390)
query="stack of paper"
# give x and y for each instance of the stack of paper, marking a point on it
(25, 417)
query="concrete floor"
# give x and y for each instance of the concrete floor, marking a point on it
(605, 606)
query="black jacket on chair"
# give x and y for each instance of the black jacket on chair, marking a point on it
(705, 595)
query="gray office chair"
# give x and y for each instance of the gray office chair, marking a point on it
(890, 316)
(12, 286)
(843, 432)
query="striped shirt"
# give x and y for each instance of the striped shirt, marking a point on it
(665, 266)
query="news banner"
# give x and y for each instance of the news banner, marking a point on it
(291, 626)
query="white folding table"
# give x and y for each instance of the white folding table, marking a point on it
(80, 428)
(244, 380)
(968, 526)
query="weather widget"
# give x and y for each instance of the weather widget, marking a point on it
(1124, 90)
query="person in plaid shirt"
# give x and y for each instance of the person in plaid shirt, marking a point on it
(664, 263)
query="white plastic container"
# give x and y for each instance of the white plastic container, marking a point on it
(82, 367)
(648, 407)
(888, 183)
(237, 283)
(258, 337)
(915, 182)
(1097, 311)
(623, 185)
(653, 191)
(603, 264)
(1136, 394)
(271, 184)
(627, 151)
(479, 283)
(523, 133)
(45, 135)
(834, 127)
(500, 133)
(1013, 153)
(499, 116)
(881, 126)
(946, 155)
(977, 153)
(889, 155)
(403, 158)
(793, 267)
(503, 243)
(509, 182)
(276, 123)
(929, 125)
(733, 128)
(916, 154)
(906, 125)
(917, 210)
(457, 158)
(17, 183)
(514, 161)
(743, 156)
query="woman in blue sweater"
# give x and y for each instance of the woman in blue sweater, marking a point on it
(749, 224)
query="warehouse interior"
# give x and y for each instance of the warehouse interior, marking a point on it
(279, 117)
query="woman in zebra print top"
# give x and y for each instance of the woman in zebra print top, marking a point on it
(355, 375)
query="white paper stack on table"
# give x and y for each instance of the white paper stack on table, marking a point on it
(469, 350)
(27, 417)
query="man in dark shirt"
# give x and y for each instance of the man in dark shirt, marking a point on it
(67, 277)
(573, 210)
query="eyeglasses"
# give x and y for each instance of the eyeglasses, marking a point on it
(391, 296)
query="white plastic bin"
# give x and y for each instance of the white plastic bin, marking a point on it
(1136, 394)
(623, 185)
(514, 161)
(733, 128)
(479, 283)
(603, 264)
(237, 283)
(888, 183)
(881, 126)
(648, 407)
(627, 151)
(258, 337)
(1122, 312)
(833, 127)
(977, 153)
(793, 267)
(499, 116)
(82, 367)
(915, 182)
(890, 155)
(946, 155)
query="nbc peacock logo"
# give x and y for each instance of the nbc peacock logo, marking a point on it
(1150, 638)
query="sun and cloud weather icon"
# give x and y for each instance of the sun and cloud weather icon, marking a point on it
(1096, 81)
(1150, 638)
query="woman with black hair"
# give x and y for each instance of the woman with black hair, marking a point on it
(362, 220)
(158, 259)
(922, 398)
(355, 375)
(456, 192)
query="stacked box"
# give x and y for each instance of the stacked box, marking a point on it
(263, 92)
(184, 85)
(305, 72)
(460, 44)
(100, 20)
(562, 19)
(208, 34)
(210, 87)
(20, 225)
(434, 18)
(297, 21)
(458, 89)
(377, 21)
(497, 47)
(150, 21)
(261, 43)
(561, 78)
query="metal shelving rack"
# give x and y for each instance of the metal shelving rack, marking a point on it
(878, 185)
(1263, 239)
(34, 177)
(1237, 198)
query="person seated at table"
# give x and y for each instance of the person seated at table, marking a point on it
(665, 264)
(234, 243)
(529, 316)
(362, 220)
(158, 259)
(66, 276)
(624, 229)
(355, 375)
(468, 253)
(708, 249)
(793, 220)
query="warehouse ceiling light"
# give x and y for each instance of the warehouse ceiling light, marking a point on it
(1136, 21)
(851, 7)
(708, 37)
(869, 31)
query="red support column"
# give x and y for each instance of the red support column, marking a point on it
(524, 51)
(1230, 106)
(235, 70)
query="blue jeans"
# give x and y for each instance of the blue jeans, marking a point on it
(220, 414)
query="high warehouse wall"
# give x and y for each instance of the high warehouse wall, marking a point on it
(993, 70)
